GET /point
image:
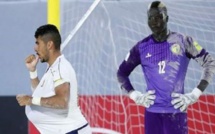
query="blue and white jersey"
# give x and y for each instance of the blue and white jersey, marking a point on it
(164, 66)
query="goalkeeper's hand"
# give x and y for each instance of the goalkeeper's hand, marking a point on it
(182, 101)
(145, 100)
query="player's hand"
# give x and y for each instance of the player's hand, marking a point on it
(24, 100)
(182, 101)
(31, 62)
(145, 100)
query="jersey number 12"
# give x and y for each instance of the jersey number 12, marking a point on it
(162, 65)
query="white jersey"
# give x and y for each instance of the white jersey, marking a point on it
(56, 121)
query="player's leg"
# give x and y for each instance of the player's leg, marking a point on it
(153, 123)
(175, 123)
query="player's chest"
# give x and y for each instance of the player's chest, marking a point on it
(46, 86)
(157, 52)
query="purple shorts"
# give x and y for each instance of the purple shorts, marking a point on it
(165, 123)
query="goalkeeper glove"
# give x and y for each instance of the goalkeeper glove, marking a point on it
(182, 101)
(145, 100)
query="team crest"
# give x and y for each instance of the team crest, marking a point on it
(175, 48)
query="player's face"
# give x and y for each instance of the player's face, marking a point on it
(157, 21)
(41, 49)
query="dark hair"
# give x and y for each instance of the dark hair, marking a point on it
(49, 32)
(158, 4)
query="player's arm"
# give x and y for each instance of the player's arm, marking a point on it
(34, 82)
(204, 59)
(31, 63)
(61, 84)
(62, 90)
(199, 54)
(126, 67)
(58, 101)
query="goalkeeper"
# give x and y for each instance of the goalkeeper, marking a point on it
(164, 57)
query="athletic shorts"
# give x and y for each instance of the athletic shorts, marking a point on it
(82, 130)
(165, 123)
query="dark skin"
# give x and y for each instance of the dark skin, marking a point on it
(157, 22)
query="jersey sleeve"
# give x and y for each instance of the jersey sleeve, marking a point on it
(202, 57)
(126, 67)
(60, 75)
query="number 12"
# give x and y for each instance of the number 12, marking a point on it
(162, 65)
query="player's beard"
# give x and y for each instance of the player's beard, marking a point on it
(43, 59)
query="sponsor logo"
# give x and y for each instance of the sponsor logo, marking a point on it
(148, 55)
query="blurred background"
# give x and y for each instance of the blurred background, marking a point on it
(19, 19)
(97, 35)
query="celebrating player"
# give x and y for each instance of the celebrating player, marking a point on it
(53, 107)
(164, 57)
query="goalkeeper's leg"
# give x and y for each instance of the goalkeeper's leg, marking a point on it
(165, 123)
(153, 123)
(175, 123)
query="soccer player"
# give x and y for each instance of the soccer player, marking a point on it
(164, 57)
(53, 107)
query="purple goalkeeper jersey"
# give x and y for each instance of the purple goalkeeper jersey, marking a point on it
(164, 66)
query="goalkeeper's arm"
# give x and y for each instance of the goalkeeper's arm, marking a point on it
(132, 60)
(182, 101)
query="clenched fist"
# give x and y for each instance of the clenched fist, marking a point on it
(24, 100)
(31, 62)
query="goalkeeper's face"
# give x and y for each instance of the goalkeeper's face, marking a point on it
(157, 20)
(41, 49)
